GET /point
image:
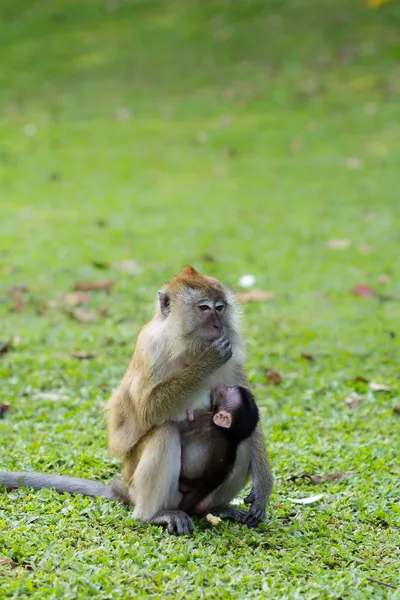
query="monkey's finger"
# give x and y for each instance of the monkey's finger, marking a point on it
(184, 525)
(254, 516)
(177, 522)
(250, 498)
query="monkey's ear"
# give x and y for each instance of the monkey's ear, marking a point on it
(223, 419)
(164, 301)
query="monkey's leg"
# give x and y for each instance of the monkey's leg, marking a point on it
(236, 480)
(154, 487)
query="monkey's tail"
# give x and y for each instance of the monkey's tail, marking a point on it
(60, 483)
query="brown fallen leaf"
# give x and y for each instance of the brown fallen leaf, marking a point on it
(5, 561)
(363, 290)
(209, 258)
(360, 379)
(18, 298)
(396, 410)
(338, 244)
(3, 409)
(77, 298)
(318, 479)
(338, 476)
(353, 400)
(82, 355)
(83, 316)
(273, 377)
(129, 266)
(6, 347)
(297, 144)
(383, 279)
(254, 296)
(87, 286)
(354, 163)
(315, 479)
(379, 387)
(307, 356)
(100, 264)
(365, 249)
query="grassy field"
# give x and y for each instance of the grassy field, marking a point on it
(240, 137)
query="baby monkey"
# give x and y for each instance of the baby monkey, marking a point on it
(209, 442)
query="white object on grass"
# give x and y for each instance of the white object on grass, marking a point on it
(308, 500)
(247, 281)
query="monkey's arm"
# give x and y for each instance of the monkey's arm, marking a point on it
(262, 480)
(165, 400)
(60, 483)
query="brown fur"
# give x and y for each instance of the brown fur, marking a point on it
(177, 361)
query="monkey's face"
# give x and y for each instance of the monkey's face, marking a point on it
(206, 315)
(199, 309)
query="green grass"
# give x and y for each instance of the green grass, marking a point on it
(217, 134)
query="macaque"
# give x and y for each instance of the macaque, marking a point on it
(192, 346)
(209, 440)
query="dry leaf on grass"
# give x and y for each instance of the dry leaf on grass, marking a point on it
(77, 298)
(363, 290)
(379, 387)
(82, 355)
(353, 400)
(309, 500)
(338, 244)
(307, 356)
(3, 409)
(383, 279)
(318, 479)
(129, 266)
(83, 316)
(8, 562)
(354, 163)
(213, 520)
(6, 347)
(88, 286)
(255, 296)
(273, 376)
(365, 249)
(100, 264)
(359, 379)
(18, 298)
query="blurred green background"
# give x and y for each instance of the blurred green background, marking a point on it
(243, 137)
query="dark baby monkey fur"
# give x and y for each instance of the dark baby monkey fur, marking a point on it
(209, 444)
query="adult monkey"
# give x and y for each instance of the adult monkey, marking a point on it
(192, 345)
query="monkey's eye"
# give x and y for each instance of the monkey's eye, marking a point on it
(220, 306)
(204, 307)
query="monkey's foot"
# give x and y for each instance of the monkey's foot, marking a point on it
(255, 515)
(176, 522)
(251, 517)
(233, 514)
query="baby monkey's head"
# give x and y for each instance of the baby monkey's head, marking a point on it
(236, 411)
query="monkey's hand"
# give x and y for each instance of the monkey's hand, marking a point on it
(218, 353)
(257, 511)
